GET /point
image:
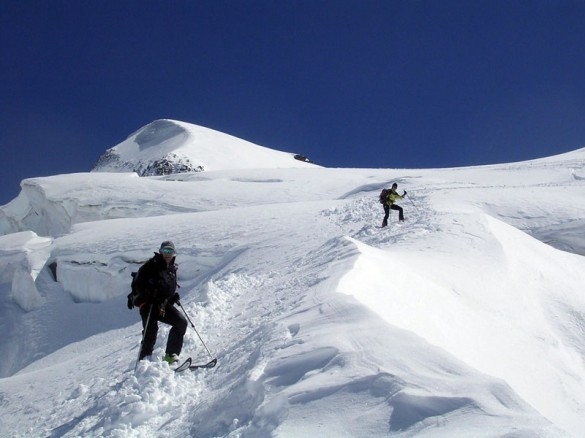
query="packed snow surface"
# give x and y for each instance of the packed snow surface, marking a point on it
(466, 320)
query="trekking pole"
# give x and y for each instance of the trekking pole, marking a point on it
(190, 322)
(414, 205)
(142, 340)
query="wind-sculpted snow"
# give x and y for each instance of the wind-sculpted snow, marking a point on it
(456, 322)
(50, 206)
(22, 256)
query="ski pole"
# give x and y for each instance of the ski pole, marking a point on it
(199, 336)
(414, 205)
(142, 340)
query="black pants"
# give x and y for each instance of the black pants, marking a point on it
(172, 317)
(387, 213)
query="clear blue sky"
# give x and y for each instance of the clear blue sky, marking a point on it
(362, 83)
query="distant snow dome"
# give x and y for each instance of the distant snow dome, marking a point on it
(165, 147)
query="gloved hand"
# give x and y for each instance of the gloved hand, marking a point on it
(130, 302)
(404, 194)
(176, 298)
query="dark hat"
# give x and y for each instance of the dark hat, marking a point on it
(167, 244)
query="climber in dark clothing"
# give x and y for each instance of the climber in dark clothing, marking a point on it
(155, 296)
(390, 205)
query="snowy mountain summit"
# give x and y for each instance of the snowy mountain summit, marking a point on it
(166, 147)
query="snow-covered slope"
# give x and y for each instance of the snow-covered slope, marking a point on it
(458, 322)
(168, 146)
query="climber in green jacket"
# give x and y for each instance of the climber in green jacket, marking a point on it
(390, 205)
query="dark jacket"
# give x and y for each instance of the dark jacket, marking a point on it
(156, 282)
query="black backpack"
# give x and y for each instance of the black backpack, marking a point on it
(384, 196)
